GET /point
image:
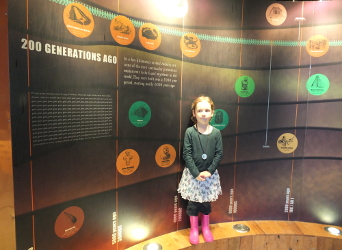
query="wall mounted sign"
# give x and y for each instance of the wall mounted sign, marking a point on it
(122, 30)
(287, 143)
(276, 14)
(317, 84)
(139, 114)
(78, 20)
(127, 162)
(165, 155)
(69, 222)
(244, 86)
(190, 45)
(220, 119)
(149, 36)
(317, 46)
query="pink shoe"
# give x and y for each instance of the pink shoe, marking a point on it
(194, 239)
(207, 235)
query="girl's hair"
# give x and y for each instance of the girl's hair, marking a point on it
(201, 98)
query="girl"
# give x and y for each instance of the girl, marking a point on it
(202, 152)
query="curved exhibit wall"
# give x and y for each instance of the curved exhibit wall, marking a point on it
(100, 100)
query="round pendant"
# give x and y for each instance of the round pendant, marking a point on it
(204, 156)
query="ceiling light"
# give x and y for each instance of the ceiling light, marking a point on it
(172, 8)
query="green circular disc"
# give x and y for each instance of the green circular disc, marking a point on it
(244, 86)
(139, 114)
(220, 119)
(317, 84)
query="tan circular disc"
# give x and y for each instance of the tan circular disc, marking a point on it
(317, 46)
(287, 143)
(276, 14)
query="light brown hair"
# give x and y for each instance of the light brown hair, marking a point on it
(201, 98)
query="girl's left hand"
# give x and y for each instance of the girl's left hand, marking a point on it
(200, 178)
(205, 174)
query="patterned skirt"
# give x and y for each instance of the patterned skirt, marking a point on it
(199, 191)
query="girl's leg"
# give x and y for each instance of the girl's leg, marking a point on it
(194, 239)
(193, 210)
(207, 235)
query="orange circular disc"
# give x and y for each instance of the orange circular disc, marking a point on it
(122, 30)
(190, 45)
(165, 155)
(149, 36)
(78, 20)
(127, 162)
(69, 222)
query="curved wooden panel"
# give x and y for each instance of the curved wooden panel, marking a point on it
(262, 235)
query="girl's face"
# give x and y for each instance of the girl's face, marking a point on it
(203, 112)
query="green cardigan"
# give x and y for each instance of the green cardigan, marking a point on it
(192, 150)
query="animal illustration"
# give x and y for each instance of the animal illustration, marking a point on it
(190, 42)
(284, 141)
(72, 218)
(149, 33)
(78, 16)
(120, 26)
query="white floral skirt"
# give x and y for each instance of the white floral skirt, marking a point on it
(199, 191)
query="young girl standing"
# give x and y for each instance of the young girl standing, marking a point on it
(200, 182)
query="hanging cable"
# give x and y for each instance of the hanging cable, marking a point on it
(268, 99)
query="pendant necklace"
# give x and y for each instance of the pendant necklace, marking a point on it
(204, 155)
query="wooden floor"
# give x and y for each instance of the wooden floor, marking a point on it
(269, 235)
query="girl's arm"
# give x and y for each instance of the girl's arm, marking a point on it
(218, 153)
(187, 154)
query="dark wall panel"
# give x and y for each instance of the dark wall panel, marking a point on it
(92, 115)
